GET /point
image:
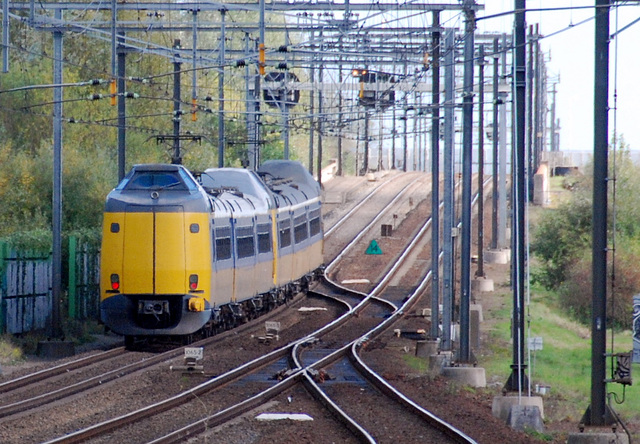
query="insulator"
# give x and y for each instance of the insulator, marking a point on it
(71, 120)
(131, 95)
(96, 81)
(283, 66)
(283, 48)
(240, 63)
(138, 79)
(178, 112)
(95, 96)
(208, 99)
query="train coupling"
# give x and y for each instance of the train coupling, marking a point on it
(153, 307)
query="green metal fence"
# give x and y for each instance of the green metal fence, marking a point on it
(25, 287)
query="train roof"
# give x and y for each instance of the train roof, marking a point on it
(235, 184)
(291, 173)
(150, 184)
(276, 184)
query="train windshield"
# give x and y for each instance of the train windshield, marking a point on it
(158, 180)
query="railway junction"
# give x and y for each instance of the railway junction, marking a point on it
(342, 72)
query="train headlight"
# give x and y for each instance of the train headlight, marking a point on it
(115, 282)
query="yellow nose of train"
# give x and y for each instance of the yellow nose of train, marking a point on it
(155, 253)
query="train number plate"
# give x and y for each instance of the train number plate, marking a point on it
(193, 353)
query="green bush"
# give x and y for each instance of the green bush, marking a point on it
(575, 293)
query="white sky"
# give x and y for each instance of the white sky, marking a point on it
(571, 58)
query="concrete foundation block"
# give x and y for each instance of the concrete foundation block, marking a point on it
(477, 308)
(439, 361)
(473, 376)
(426, 348)
(525, 417)
(497, 256)
(482, 285)
(604, 437)
(436, 364)
(502, 405)
(474, 329)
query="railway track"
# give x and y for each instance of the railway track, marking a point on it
(15, 408)
(197, 392)
(355, 306)
(46, 376)
(309, 374)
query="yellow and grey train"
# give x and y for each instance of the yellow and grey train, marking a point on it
(186, 254)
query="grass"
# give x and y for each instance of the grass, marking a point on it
(564, 363)
(10, 353)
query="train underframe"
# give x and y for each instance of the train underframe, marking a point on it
(230, 315)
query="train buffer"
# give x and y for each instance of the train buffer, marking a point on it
(272, 329)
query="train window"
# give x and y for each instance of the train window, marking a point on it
(115, 227)
(314, 226)
(300, 232)
(194, 228)
(264, 242)
(223, 248)
(223, 243)
(315, 213)
(264, 238)
(246, 247)
(188, 180)
(155, 180)
(285, 233)
(245, 240)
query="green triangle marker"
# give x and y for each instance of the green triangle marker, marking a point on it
(374, 248)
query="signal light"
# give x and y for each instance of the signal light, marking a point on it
(356, 72)
(115, 282)
(193, 282)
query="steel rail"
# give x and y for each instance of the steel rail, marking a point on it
(109, 425)
(219, 418)
(352, 425)
(41, 375)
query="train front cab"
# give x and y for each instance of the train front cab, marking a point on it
(155, 269)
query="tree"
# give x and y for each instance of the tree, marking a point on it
(562, 242)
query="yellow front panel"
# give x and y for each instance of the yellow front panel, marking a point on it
(137, 263)
(198, 248)
(170, 254)
(111, 251)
